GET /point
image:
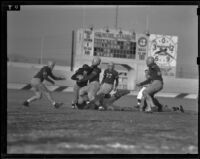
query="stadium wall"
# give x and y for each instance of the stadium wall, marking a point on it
(22, 73)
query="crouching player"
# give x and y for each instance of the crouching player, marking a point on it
(155, 82)
(39, 87)
(79, 74)
(88, 93)
(110, 77)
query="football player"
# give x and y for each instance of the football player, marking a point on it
(89, 92)
(79, 74)
(110, 77)
(39, 87)
(139, 96)
(107, 101)
(155, 82)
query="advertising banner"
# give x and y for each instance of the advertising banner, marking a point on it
(88, 42)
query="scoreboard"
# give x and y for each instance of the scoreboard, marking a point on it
(112, 43)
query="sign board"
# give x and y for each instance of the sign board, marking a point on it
(88, 42)
(164, 49)
(142, 46)
(112, 43)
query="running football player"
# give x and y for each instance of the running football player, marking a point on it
(79, 74)
(155, 82)
(89, 92)
(39, 87)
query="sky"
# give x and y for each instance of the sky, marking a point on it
(50, 28)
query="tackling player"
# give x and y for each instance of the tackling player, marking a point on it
(155, 82)
(79, 74)
(89, 92)
(39, 87)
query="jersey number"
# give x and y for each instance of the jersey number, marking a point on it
(108, 75)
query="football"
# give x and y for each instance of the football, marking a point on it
(79, 77)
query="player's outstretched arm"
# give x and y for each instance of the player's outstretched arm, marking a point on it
(55, 77)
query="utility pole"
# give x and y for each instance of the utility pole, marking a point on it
(83, 17)
(116, 17)
(42, 50)
(147, 25)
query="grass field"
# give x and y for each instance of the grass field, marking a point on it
(43, 129)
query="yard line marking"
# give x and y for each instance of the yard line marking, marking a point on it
(27, 87)
(191, 96)
(121, 146)
(52, 88)
(69, 89)
(95, 146)
(15, 86)
(172, 95)
(60, 88)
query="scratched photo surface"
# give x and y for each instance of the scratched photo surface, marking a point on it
(48, 48)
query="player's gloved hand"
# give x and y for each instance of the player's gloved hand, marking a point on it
(80, 77)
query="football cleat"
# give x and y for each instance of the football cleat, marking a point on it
(74, 106)
(58, 105)
(26, 103)
(101, 108)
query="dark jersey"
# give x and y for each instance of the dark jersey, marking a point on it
(110, 76)
(96, 71)
(44, 73)
(155, 73)
(80, 71)
(93, 75)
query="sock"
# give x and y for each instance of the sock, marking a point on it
(139, 101)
